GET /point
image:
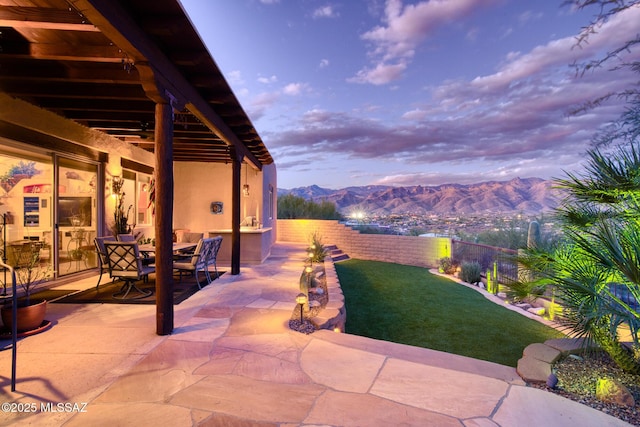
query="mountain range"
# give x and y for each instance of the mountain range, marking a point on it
(526, 195)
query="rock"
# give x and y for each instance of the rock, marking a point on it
(539, 311)
(523, 305)
(502, 294)
(533, 370)
(542, 352)
(314, 304)
(552, 381)
(610, 390)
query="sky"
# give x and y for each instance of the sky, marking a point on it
(397, 92)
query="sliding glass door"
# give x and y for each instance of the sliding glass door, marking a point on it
(77, 219)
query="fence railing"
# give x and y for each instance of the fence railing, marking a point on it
(486, 256)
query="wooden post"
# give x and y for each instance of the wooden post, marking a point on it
(235, 212)
(164, 218)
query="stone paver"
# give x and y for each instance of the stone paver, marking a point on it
(330, 365)
(249, 398)
(542, 352)
(439, 390)
(354, 409)
(533, 370)
(527, 406)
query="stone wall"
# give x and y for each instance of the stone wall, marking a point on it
(407, 250)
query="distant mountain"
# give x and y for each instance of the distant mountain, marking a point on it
(527, 195)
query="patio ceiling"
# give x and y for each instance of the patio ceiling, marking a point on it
(105, 64)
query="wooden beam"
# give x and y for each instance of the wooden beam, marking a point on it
(53, 72)
(49, 142)
(164, 219)
(67, 52)
(124, 93)
(133, 106)
(44, 18)
(236, 167)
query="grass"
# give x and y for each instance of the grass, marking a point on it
(409, 305)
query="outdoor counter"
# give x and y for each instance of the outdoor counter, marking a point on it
(255, 244)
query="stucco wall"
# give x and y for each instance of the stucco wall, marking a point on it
(407, 250)
(198, 184)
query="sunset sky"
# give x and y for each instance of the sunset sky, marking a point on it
(397, 92)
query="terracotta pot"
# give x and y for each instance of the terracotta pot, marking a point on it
(29, 317)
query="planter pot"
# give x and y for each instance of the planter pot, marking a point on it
(29, 317)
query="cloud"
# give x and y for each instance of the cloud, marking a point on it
(260, 104)
(235, 78)
(510, 123)
(267, 80)
(325, 12)
(295, 88)
(559, 53)
(379, 75)
(269, 1)
(394, 44)
(324, 63)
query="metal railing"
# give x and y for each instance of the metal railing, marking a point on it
(487, 256)
(14, 323)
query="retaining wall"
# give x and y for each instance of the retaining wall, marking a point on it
(406, 250)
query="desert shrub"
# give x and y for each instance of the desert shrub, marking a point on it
(447, 266)
(470, 272)
(317, 248)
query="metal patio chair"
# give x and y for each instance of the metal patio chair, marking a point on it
(125, 263)
(103, 261)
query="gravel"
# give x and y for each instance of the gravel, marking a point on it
(306, 327)
(577, 378)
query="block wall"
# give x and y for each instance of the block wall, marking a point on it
(407, 250)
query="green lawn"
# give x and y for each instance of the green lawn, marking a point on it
(409, 305)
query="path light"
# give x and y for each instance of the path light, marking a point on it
(301, 299)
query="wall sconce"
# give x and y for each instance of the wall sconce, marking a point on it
(301, 299)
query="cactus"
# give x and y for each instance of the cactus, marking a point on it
(534, 237)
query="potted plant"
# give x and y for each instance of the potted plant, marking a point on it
(29, 276)
(120, 216)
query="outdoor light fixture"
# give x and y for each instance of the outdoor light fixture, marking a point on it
(245, 187)
(301, 299)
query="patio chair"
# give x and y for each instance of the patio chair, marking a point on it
(188, 237)
(125, 263)
(198, 262)
(23, 253)
(213, 256)
(146, 258)
(103, 262)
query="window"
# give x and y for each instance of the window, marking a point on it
(271, 202)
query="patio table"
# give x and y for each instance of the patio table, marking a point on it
(179, 246)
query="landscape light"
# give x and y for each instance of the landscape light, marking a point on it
(301, 299)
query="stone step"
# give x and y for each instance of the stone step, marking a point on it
(336, 253)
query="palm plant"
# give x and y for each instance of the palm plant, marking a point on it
(596, 271)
